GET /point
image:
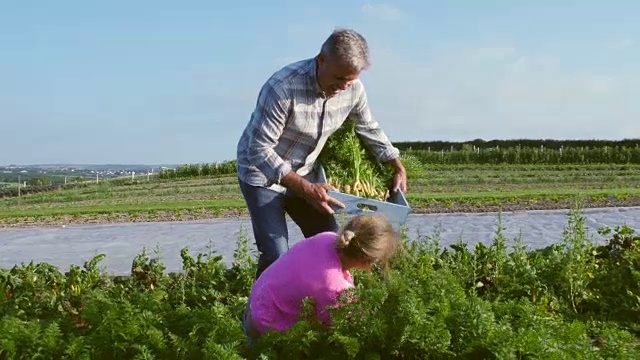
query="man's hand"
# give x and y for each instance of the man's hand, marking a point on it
(400, 175)
(400, 181)
(314, 194)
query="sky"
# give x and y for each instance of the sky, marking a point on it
(168, 82)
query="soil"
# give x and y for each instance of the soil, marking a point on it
(187, 215)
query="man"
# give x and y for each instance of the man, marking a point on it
(297, 109)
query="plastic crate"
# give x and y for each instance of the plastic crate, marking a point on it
(396, 208)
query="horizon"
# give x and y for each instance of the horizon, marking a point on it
(132, 84)
(233, 159)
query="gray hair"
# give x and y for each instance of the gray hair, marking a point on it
(347, 46)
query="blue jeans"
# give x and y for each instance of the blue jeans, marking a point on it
(267, 209)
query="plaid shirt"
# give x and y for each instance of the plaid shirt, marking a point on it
(292, 121)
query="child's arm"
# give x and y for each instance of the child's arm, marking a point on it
(331, 300)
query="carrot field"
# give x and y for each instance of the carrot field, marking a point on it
(572, 300)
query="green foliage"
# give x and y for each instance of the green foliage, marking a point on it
(338, 159)
(39, 181)
(33, 189)
(346, 156)
(551, 144)
(199, 170)
(351, 167)
(528, 155)
(576, 299)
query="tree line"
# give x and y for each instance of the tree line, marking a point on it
(529, 155)
(513, 143)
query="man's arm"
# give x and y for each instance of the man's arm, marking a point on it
(378, 142)
(270, 116)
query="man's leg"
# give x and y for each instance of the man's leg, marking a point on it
(310, 220)
(268, 221)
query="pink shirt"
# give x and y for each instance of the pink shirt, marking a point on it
(310, 268)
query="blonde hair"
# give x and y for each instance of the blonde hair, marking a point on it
(368, 237)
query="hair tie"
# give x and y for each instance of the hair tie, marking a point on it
(349, 235)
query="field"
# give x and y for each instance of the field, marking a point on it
(497, 175)
(4, 185)
(572, 300)
(432, 188)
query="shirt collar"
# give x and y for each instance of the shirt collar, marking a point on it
(311, 72)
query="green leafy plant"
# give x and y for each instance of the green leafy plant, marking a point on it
(575, 299)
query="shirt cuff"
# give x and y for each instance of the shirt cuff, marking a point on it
(389, 154)
(281, 171)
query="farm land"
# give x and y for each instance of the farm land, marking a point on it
(465, 179)
(575, 299)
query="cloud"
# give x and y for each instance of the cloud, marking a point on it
(382, 11)
(493, 53)
(622, 43)
(462, 93)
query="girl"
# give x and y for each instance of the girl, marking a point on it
(317, 267)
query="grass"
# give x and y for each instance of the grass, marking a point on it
(130, 208)
(435, 188)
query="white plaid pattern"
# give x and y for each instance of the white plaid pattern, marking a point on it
(292, 121)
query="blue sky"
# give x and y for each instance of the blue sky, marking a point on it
(175, 82)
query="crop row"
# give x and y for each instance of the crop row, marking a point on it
(530, 155)
(576, 299)
(439, 145)
(454, 188)
(199, 170)
(495, 156)
(19, 191)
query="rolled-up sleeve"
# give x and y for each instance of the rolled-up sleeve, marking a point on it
(269, 119)
(367, 127)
